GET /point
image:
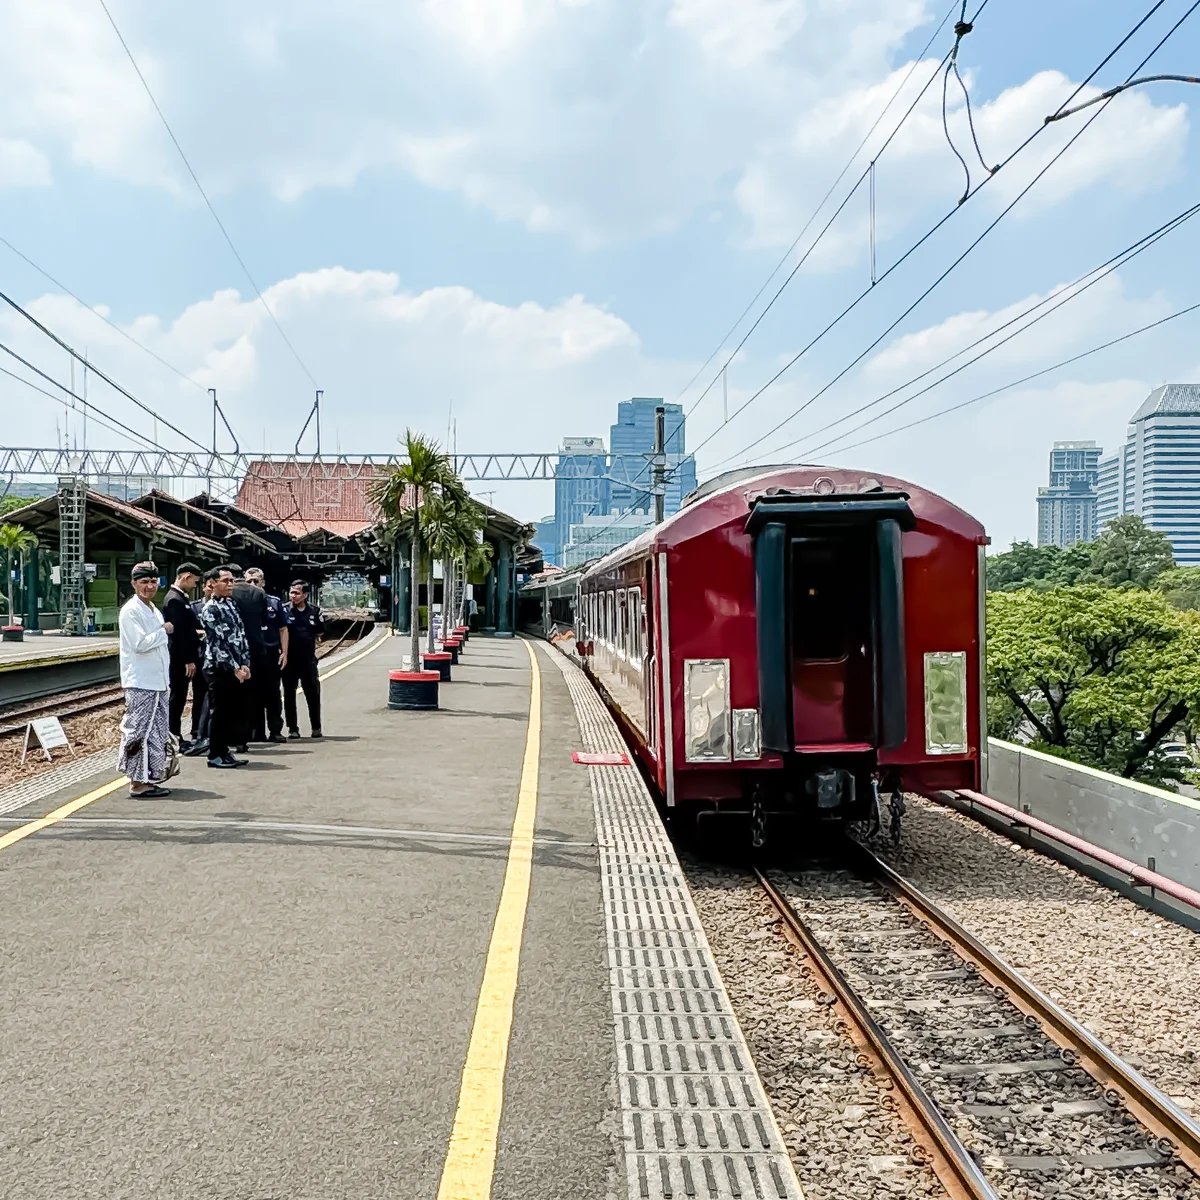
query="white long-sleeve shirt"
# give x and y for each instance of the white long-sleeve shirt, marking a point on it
(145, 659)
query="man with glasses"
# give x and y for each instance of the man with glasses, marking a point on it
(227, 669)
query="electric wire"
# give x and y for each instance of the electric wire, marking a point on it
(1066, 362)
(86, 403)
(938, 225)
(1072, 291)
(70, 408)
(1049, 303)
(111, 324)
(916, 62)
(204, 195)
(96, 370)
(1122, 87)
(945, 274)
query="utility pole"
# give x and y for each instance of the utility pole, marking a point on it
(212, 462)
(660, 464)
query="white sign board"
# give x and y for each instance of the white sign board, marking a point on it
(50, 735)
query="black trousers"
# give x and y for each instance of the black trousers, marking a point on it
(226, 700)
(303, 673)
(268, 706)
(180, 685)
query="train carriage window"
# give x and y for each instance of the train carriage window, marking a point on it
(622, 623)
(830, 598)
(609, 622)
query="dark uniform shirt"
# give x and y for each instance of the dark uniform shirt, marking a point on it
(251, 603)
(276, 620)
(304, 627)
(185, 622)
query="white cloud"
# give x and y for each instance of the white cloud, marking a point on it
(22, 164)
(1135, 145)
(399, 357)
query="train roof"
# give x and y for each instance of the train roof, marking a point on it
(733, 493)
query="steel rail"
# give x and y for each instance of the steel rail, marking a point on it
(949, 1159)
(71, 707)
(1178, 1134)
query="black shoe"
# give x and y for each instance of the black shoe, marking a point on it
(277, 739)
(242, 748)
(184, 745)
(227, 761)
(196, 749)
(317, 733)
(293, 735)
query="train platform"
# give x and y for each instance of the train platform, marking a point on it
(51, 646)
(431, 955)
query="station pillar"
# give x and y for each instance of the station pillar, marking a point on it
(505, 592)
(402, 586)
(32, 616)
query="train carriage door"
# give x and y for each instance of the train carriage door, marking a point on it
(830, 612)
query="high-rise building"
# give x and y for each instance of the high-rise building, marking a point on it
(1067, 508)
(594, 537)
(1156, 474)
(632, 443)
(582, 488)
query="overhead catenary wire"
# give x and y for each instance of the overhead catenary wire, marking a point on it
(953, 265)
(62, 387)
(24, 312)
(916, 62)
(59, 400)
(1049, 303)
(1121, 87)
(96, 313)
(204, 195)
(1058, 366)
(929, 233)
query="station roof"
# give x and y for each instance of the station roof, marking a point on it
(105, 510)
(1172, 399)
(302, 498)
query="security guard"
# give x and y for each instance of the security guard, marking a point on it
(304, 626)
(266, 667)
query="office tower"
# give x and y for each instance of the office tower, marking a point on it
(631, 441)
(1156, 474)
(581, 489)
(1067, 508)
(594, 537)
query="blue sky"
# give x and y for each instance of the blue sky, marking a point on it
(531, 209)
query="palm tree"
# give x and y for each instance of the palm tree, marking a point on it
(455, 520)
(476, 559)
(14, 539)
(400, 496)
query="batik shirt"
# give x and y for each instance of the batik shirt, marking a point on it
(225, 645)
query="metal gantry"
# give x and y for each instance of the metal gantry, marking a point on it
(204, 464)
(72, 508)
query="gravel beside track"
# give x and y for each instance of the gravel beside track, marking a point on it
(1133, 978)
(843, 1139)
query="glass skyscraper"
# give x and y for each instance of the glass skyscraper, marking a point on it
(631, 441)
(1156, 474)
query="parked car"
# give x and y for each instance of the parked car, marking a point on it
(1176, 753)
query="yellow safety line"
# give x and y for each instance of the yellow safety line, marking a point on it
(351, 661)
(23, 831)
(471, 1155)
(105, 789)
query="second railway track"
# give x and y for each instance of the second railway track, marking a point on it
(1006, 1095)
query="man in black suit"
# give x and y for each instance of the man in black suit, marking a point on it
(251, 603)
(185, 673)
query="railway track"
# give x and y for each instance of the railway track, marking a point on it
(78, 701)
(1005, 1094)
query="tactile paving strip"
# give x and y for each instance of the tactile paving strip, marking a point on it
(695, 1119)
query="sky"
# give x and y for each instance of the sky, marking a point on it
(513, 214)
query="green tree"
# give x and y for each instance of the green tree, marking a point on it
(1099, 675)
(1039, 567)
(400, 496)
(1181, 586)
(16, 541)
(11, 503)
(1129, 551)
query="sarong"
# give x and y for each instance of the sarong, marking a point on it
(145, 729)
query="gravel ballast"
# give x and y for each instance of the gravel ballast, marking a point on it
(1133, 978)
(843, 1139)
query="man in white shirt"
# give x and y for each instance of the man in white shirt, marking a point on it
(145, 676)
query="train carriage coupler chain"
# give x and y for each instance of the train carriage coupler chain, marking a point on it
(897, 809)
(758, 824)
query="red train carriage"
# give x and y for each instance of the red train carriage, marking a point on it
(796, 639)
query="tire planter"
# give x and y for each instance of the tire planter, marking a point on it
(453, 645)
(462, 631)
(413, 690)
(439, 661)
(14, 633)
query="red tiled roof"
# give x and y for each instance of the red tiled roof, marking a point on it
(306, 497)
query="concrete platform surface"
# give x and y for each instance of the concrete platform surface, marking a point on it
(265, 984)
(51, 646)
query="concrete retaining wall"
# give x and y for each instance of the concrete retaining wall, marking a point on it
(1131, 819)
